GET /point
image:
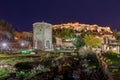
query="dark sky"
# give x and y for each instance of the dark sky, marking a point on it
(23, 13)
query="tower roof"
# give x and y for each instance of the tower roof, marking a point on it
(41, 23)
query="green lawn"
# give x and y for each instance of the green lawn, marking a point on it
(45, 58)
(3, 72)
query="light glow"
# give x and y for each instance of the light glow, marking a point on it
(4, 44)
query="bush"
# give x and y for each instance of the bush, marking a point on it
(3, 72)
(26, 65)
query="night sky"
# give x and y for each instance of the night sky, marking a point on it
(23, 13)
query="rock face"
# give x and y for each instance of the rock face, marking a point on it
(42, 36)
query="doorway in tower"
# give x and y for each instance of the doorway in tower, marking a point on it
(48, 44)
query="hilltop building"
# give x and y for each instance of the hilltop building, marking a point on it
(78, 28)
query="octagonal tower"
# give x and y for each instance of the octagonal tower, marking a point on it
(42, 36)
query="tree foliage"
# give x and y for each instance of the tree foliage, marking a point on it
(118, 38)
(92, 41)
(78, 41)
(86, 33)
(116, 34)
(6, 27)
(63, 33)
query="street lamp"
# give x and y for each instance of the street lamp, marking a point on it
(4, 44)
(22, 44)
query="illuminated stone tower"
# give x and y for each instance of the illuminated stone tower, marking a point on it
(42, 36)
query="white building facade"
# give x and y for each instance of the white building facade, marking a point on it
(42, 36)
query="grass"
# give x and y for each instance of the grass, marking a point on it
(13, 61)
(3, 72)
(44, 58)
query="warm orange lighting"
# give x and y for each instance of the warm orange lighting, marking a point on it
(15, 38)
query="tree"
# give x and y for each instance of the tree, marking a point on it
(92, 41)
(7, 28)
(84, 33)
(78, 41)
(63, 33)
(118, 38)
(116, 34)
